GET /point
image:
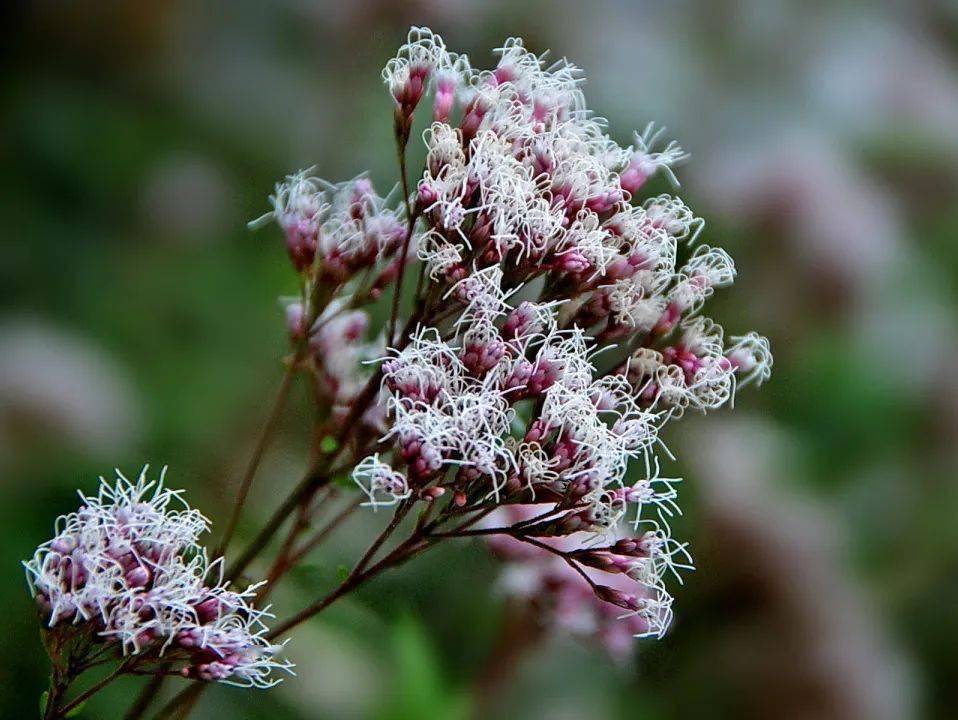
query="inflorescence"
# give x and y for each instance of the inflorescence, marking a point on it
(556, 332)
(126, 569)
(556, 328)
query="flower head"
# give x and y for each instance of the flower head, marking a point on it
(558, 324)
(127, 566)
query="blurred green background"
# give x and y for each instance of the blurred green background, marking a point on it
(140, 324)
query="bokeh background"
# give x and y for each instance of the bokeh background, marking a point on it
(139, 323)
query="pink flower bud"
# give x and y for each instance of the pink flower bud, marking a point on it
(426, 195)
(521, 322)
(411, 91)
(295, 321)
(634, 176)
(573, 262)
(445, 96)
(618, 597)
(301, 240)
(432, 493)
(138, 577)
(480, 358)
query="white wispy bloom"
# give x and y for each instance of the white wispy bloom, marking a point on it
(129, 563)
(383, 485)
(501, 395)
(646, 160)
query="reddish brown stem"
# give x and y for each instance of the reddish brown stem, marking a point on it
(258, 451)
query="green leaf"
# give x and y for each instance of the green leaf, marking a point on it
(44, 698)
(328, 444)
(342, 572)
(76, 711)
(421, 688)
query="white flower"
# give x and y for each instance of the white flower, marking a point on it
(674, 216)
(751, 355)
(439, 254)
(646, 161)
(407, 74)
(129, 562)
(383, 485)
(300, 199)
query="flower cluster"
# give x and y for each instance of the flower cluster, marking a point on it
(557, 591)
(126, 567)
(343, 240)
(342, 228)
(557, 324)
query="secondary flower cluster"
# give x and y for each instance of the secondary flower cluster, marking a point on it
(558, 593)
(558, 321)
(126, 567)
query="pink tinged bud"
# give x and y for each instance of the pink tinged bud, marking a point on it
(457, 272)
(472, 119)
(188, 639)
(208, 610)
(432, 493)
(481, 358)
(537, 432)
(547, 374)
(427, 195)
(138, 577)
(670, 318)
(604, 201)
(584, 484)
(301, 241)
(362, 193)
(564, 453)
(459, 499)
(618, 598)
(572, 262)
(634, 176)
(627, 546)
(411, 91)
(445, 97)
(624, 267)
(606, 562)
(481, 231)
(295, 321)
(387, 236)
(685, 359)
(423, 459)
(518, 380)
(532, 379)
(520, 322)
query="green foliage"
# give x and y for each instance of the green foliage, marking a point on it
(420, 688)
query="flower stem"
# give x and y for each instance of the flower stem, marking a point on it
(405, 551)
(265, 436)
(59, 683)
(146, 696)
(402, 138)
(93, 689)
(181, 704)
(321, 473)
